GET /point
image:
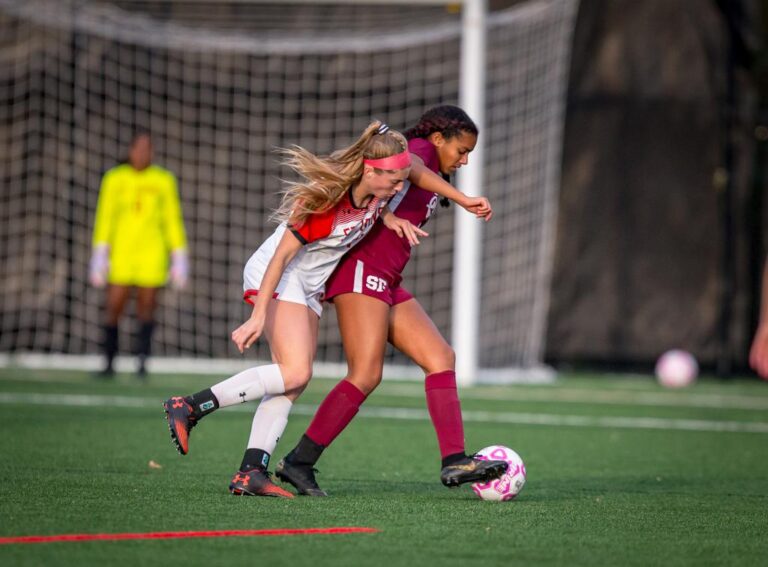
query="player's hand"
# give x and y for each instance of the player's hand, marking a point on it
(404, 228)
(179, 269)
(758, 354)
(248, 333)
(479, 206)
(99, 266)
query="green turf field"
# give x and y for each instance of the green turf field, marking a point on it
(620, 472)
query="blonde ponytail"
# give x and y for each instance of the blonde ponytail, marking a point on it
(325, 180)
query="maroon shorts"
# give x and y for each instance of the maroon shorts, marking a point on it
(358, 277)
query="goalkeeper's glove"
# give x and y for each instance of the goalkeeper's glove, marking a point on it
(98, 268)
(179, 269)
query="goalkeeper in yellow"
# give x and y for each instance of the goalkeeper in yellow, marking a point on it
(138, 227)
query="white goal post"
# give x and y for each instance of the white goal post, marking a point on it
(220, 92)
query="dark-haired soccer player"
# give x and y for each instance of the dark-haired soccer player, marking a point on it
(331, 208)
(373, 307)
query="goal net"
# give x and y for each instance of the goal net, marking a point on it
(219, 94)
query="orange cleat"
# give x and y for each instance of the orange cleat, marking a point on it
(181, 420)
(256, 482)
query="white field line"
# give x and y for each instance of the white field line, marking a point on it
(555, 394)
(595, 397)
(85, 400)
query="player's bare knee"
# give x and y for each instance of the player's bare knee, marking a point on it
(294, 394)
(296, 378)
(440, 360)
(366, 383)
(450, 357)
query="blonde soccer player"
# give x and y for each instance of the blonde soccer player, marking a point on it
(374, 307)
(333, 207)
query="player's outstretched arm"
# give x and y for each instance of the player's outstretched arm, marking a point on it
(249, 332)
(427, 179)
(402, 227)
(758, 354)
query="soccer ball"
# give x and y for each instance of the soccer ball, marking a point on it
(510, 483)
(676, 369)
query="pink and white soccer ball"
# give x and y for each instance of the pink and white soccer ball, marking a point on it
(510, 483)
(676, 369)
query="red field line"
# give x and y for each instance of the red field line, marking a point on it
(178, 535)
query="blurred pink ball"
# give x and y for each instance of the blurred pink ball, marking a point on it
(676, 369)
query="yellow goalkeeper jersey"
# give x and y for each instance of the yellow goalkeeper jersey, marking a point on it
(139, 217)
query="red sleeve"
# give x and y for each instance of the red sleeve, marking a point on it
(316, 226)
(426, 151)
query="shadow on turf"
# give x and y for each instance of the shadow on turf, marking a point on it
(568, 489)
(385, 488)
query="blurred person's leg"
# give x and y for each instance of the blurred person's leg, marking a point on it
(117, 297)
(146, 303)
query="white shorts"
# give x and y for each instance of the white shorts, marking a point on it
(291, 287)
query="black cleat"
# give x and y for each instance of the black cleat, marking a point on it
(302, 477)
(141, 369)
(107, 373)
(181, 420)
(472, 469)
(256, 482)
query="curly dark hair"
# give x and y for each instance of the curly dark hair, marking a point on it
(449, 120)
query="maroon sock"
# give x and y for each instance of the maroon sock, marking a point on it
(445, 411)
(334, 414)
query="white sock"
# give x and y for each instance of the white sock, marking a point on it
(269, 423)
(251, 384)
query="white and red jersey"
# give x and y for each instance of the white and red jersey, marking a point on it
(326, 238)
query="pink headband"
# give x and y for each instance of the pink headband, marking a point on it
(391, 163)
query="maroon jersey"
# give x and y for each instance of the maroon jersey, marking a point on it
(382, 249)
